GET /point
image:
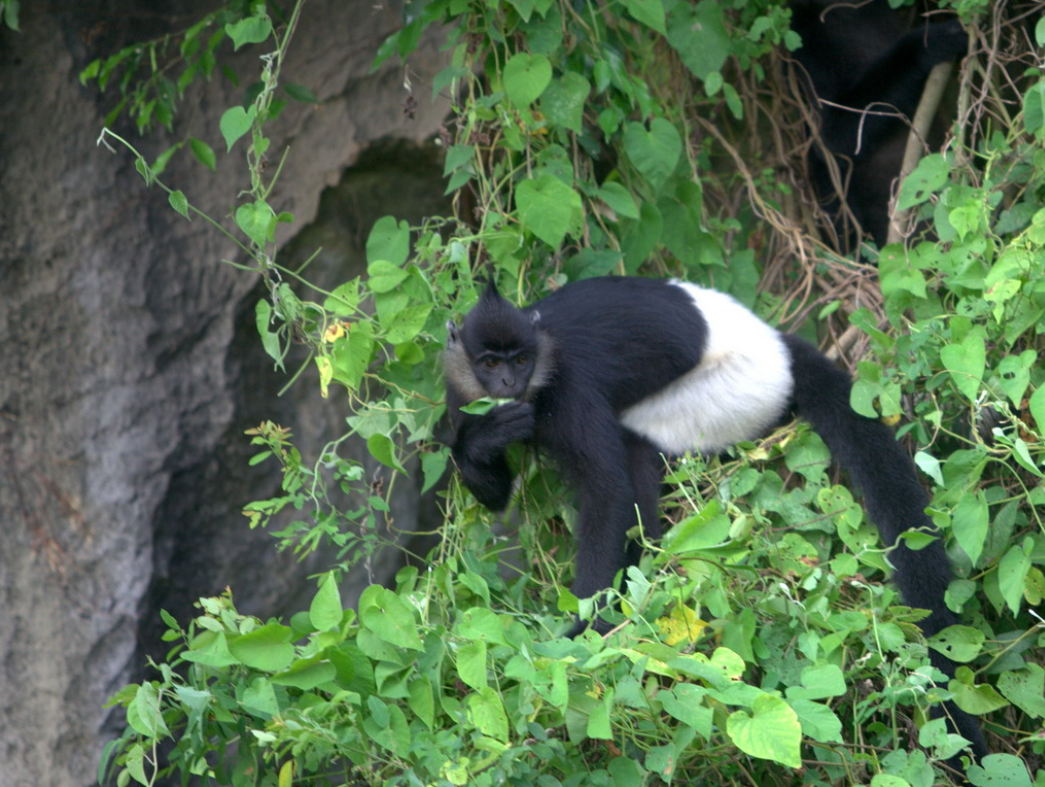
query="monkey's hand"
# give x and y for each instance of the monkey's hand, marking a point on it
(513, 422)
(479, 450)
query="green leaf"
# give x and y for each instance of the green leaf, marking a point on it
(1012, 570)
(818, 721)
(300, 93)
(685, 702)
(306, 674)
(819, 682)
(471, 664)
(325, 611)
(625, 772)
(1037, 408)
(928, 177)
(388, 241)
(1025, 688)
(970, 523)
(888, 780)
(267, 648)
(771, 732)
(385, 276)
(966, 363)
(204, 153)
(976, 699)
(1000, 770)
(257, 221)
(409, 322)
(599, 718)
(934, 735)
(486, 713)
(655, 152)
(549, 208)
(234, 123)
(1034, 110)
(479, 623)
(351, 354)
(344, 301)
(707, 528)
(383, 449)
(179, 202)
(649, 12)
(144, 714)
(619, 199)
(698, 34)
(1014, 376)
(421, 701)
(958, 643)
(389, 618)
(251, 30)
(433, 465)
(11, 8)
(563, 101)
(929, 465)
(525, 77)
(136, 764)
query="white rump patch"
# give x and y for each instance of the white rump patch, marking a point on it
(738, 392)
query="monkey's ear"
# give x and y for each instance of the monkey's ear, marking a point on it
(452, 334)
(535, 317)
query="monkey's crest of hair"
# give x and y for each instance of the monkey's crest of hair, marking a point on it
(495, 325)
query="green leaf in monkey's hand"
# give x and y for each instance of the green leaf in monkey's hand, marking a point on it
(484, 405)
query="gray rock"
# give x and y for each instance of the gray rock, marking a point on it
(128, 369)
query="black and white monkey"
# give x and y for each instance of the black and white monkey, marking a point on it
(608, 374)
(865, 65)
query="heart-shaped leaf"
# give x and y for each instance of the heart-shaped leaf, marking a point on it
(655, 152)
(771, 732)
(549, 208)
(234, 123)
(525, 78)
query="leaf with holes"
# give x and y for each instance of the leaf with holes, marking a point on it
(928, 177)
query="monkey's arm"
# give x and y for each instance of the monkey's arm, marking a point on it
(479, 449)
(894, 82)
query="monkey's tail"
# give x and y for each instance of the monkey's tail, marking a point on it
(895, 501)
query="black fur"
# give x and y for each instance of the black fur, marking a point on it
(600, 331)
(861, 55)
(607, 344)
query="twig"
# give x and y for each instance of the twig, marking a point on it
(923, 118)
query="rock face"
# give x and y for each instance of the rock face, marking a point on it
(130, 366)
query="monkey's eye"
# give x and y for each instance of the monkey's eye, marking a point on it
(522, 359)
(491, 363)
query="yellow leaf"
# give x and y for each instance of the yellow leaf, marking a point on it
(682, 625)
(335, 332)
(286, 774)
(326, 374)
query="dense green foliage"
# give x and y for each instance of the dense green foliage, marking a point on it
(761, 642)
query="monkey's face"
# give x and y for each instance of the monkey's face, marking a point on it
(505, 375)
